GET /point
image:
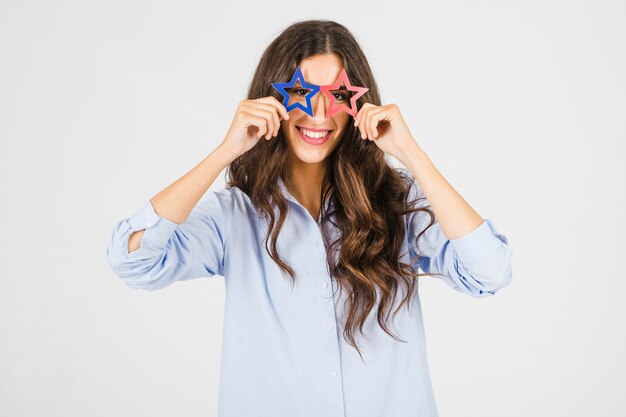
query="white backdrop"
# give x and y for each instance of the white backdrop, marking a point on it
(520, 105)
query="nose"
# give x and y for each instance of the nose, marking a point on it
(319, 103)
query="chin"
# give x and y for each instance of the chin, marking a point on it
(310, 154)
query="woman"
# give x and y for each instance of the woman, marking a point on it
(315, 240)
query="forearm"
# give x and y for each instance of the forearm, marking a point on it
(177, 200)
(456, 217)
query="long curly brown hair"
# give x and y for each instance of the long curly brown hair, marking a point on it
(369, 197)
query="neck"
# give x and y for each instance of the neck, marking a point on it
(304, 182)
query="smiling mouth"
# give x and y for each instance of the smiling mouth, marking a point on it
(314, 134)
(314, 138)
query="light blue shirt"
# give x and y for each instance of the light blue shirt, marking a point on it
(283, 352)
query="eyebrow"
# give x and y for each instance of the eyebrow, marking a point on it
(290, 89)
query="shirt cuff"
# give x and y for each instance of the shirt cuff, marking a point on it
(479, 243)
(158, 230)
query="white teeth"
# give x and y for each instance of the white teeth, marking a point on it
(314, 135)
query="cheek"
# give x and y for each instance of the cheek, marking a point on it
(290, 133)
(341, 121)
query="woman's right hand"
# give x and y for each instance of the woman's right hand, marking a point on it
(254, 119)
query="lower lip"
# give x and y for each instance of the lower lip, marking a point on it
(312, 141)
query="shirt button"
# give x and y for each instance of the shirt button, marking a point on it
(149, 223)
(329, 328)
(324, 284)
(333, 374)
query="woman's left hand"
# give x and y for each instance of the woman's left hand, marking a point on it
(392, 135)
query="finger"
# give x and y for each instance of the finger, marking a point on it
(371, 123)
(259, 122)
(366, 119)
(276, 115)
(267, 113)
(360, 122)
(376, 117)
(366, 123)
(275, 119)
(357, 121)
(359, 114)
(271, 100)
(275, 124)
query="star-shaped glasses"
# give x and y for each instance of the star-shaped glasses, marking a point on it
(297, 85)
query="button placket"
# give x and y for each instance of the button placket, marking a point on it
(333, 360)
(327, 295)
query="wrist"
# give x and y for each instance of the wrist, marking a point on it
(226, 154)
(409, 151)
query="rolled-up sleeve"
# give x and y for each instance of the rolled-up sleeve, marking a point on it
(478, 263)
(169, 251)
